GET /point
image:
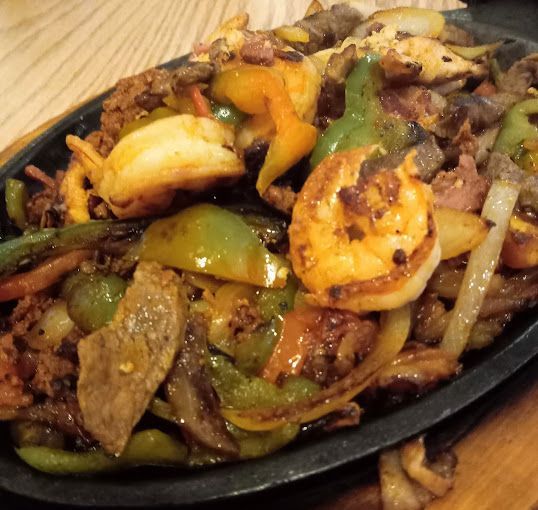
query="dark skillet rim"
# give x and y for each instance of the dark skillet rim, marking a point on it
(159, 487)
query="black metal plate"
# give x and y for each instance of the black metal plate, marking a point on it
(159, 487)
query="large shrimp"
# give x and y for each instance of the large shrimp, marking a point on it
(301, 78)
(141, 174)
(363, 242)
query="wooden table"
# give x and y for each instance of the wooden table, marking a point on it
(55, 54)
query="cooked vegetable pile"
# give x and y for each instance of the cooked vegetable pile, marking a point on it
(296, 227)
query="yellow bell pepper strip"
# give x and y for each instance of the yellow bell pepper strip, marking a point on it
(162, 112)
(208, 239)
(516, 129)
(181, 104)
(258, 90)
(364, 122)
(395, 326)
(146, 448)
(16, 198)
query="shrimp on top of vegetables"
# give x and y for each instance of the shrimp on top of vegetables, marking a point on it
(292, 227)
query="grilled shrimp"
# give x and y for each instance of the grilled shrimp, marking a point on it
(301, 77)
(363, 242)
(141, 174)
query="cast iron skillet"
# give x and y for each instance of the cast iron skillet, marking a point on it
(160, 487)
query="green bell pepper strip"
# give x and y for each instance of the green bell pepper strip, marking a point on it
(240, 391)
(364, 122)
(251, 444)
(228, 113)
(147, 448)
(16, 198)
(495, 71)
(275, 303)
(259, 444)
(92, 299)
(208, 239)
(42, 243)
(252, 353)
(516, 128)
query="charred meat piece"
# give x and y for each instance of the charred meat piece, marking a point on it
(220, 52)
(341, 64)
(521, 75)
(500, 166)
(192, 72)
(462, 188)
(131, 98)
(45, 209)
(331, 99)
(12, 388)
(481, 112)
(258, 49)
(326, 28)
(399, 70)
(411, 102)
(455, 35)
(122, 364)
(337, 345)
(282, 198)
(428, 160)
(27, 312)
(431, 319)
(62, 414)
(192, 398)
(528, 196)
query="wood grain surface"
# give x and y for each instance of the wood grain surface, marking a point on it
(57, 53)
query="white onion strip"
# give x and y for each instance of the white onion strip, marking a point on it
(500, 202)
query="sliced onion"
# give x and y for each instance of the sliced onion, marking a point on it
(292, 34)
(459, 231)
(52, 327)
(397, 491)
(498, 208)
(413, 20)
(413, 457)
(395, 326)
(473, 52)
